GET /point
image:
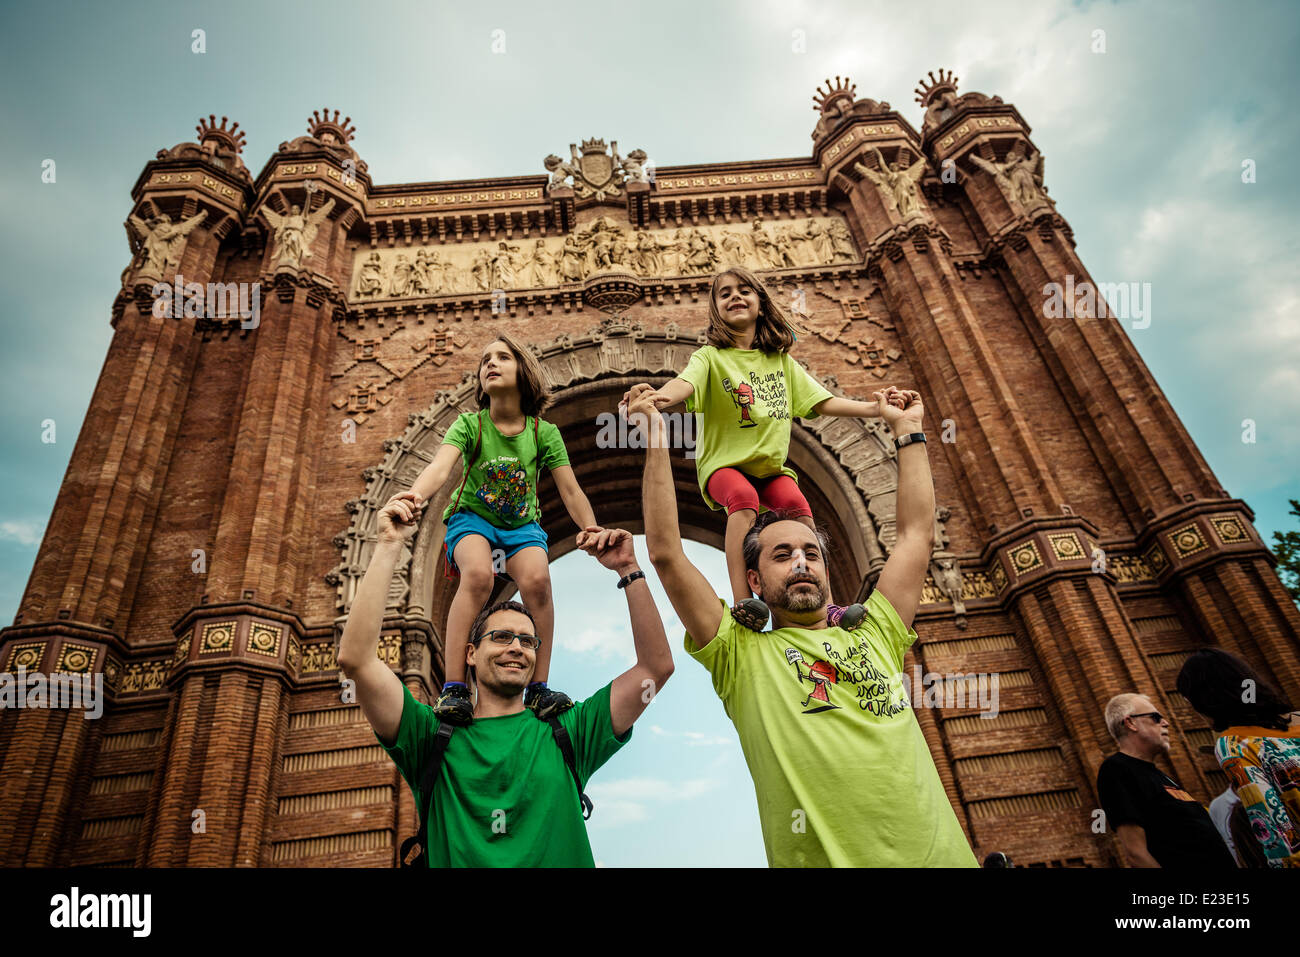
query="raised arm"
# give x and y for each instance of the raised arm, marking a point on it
(379, 690)
(904, 573)
(434, 476)
(690, 593)
(851, 408)
(575, 499)
(633, 690)
(668, 395)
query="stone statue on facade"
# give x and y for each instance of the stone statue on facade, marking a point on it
(1020, 178)
(164, 241)
(371, 280)
(560, 172)
(295, 233)
(947, 577)
(545, 271)
(897, 184)
(633, 166)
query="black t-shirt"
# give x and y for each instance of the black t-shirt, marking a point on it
(1179, 831)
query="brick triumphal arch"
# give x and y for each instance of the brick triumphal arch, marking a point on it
(290, 347)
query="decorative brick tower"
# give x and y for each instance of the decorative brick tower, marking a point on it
(219, 508)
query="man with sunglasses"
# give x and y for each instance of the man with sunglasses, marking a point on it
(1157, 822)
(505, 794)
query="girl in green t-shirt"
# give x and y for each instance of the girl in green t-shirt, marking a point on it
(746, 389)
(494, 514)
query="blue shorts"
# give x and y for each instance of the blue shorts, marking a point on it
(510, 540)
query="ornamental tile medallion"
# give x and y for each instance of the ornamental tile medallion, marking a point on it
(1066, 547)
(1229, 530)
(25, 656)
(218, 637)
(1155, 558)
(1187, 540)
(182, 649)
(112, 672)
(1025, 558)
(998, 576)
(76, 659)
(264, 640)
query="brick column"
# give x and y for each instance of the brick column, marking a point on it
(1161, 479)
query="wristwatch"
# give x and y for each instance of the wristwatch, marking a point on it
(630, 578)
(909, 439)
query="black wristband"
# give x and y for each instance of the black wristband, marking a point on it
(909, 439)
(630, 578)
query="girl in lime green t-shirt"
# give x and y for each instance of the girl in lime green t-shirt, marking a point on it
(746, 389)
(495, 510)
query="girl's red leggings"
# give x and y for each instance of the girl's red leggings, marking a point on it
(734, 490)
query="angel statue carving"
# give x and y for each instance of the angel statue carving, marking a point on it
(897, 183)
(295, 232)
(1020, 177)
(164, 241)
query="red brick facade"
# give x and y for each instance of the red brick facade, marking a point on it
(216, 513)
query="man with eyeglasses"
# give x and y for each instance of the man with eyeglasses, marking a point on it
(1157, 822)
(505, 794)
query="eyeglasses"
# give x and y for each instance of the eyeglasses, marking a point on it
(1155, 716)
(502, 637)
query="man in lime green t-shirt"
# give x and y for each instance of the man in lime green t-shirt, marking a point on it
(504, 795)
(841, 769)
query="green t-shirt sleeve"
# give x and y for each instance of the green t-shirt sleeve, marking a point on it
(720, 655)
(883, 620)
(591, 729)
(805, 391)
(410, 751)
(553, 454)
(697, 374)
(461, 433)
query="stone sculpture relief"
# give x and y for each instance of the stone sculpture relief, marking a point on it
(601, 246)
(897, 184)
(163, 241)
(1020, 178)
(295, 233)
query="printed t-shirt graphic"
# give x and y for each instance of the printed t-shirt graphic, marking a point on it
(841, 770)
(502, 482)
(745, 399)
(1263, 767)
(504, 796)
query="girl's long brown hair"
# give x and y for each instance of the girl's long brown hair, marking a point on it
(534, 397)
(774, 331)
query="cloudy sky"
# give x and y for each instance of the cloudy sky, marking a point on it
(1144, 144)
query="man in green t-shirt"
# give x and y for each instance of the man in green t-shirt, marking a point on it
(841, 769)
(504, 796)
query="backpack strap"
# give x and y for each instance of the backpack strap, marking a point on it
(470, 460)
(430, 777)
(566, 748)
(449, 572)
